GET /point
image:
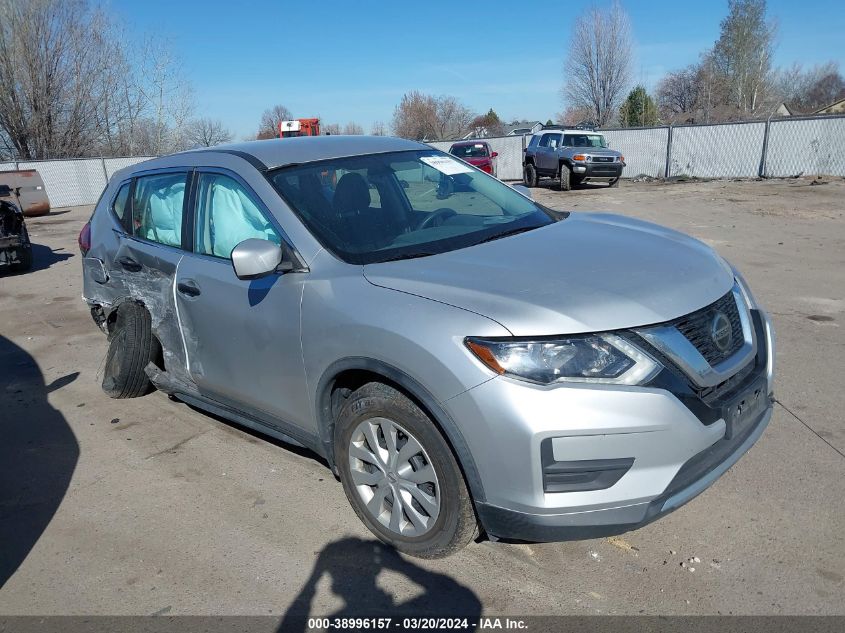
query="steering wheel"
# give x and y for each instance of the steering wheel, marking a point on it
(439, 214)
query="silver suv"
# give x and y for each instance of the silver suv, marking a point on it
(468, 363)
(571, 157)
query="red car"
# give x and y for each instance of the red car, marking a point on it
(476, 153)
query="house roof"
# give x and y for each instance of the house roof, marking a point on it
(836, 106)
(519, 125)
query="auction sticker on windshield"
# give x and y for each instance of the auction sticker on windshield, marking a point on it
(446, 165)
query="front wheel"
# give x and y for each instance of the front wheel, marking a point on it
(615, 182)
(529, 175)
(565, 176)
(400, 476)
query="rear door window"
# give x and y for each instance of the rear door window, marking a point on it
(550, 140)
(157, 208)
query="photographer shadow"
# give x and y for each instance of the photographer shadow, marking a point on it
(353, 566)
(38, 454)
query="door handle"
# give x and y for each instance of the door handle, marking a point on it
(129, 264)
(188, 288)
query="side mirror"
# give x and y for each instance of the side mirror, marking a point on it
(494, 154)
(525, 191)
(254, 258)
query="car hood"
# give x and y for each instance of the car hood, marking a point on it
(597, 151)
(587, 273)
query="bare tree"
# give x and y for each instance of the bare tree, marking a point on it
(679, 94)
(270, 119)
(808, 90)
(452, 118)
(416, 116)
(576, 116)
(420, 116)
(486, 124)
(52, 58)
(168, 96)
(353, 128)
(206, 133)
(742, 56)
(332, 128)
(378, 129)
(73, 86)
(598, 69)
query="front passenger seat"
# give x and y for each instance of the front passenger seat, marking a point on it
(351, 196)
(351, 204)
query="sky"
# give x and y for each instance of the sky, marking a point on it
(353, 61)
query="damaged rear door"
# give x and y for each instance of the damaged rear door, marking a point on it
(149, 253)
(242, 337)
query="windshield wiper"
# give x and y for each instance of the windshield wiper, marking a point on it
(396, 258)
(521, 229)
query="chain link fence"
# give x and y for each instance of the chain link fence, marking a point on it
(644, 149)
(76, 181)
(712, 151)
(811, 146)
(776, 148)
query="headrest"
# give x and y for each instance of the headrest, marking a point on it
(351, 194)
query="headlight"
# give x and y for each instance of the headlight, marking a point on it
(592, 358)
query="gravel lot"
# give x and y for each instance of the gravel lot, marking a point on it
(148, 506)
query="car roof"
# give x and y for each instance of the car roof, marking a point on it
(541, 132)
(478, 142)
(278, 152)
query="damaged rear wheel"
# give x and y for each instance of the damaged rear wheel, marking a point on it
(131, 347)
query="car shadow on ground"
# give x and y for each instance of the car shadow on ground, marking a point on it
(353, 566)
(42, 258)
(552, 185)
(38, 454)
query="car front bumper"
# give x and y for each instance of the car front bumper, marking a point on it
(664, 455)
(598, 171)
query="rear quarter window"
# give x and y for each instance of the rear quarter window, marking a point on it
(120, 204)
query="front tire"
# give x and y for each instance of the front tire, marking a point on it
(131, 348)
(615, 182)
(529, 175)
(400, 476)
(565, 178)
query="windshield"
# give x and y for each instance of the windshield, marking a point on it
(398, 205)
(585, 140)
(476, 150)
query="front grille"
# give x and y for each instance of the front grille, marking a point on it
(602, 159)
(603, 170)
(697, 328)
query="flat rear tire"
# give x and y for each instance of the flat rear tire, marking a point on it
(131, 348)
